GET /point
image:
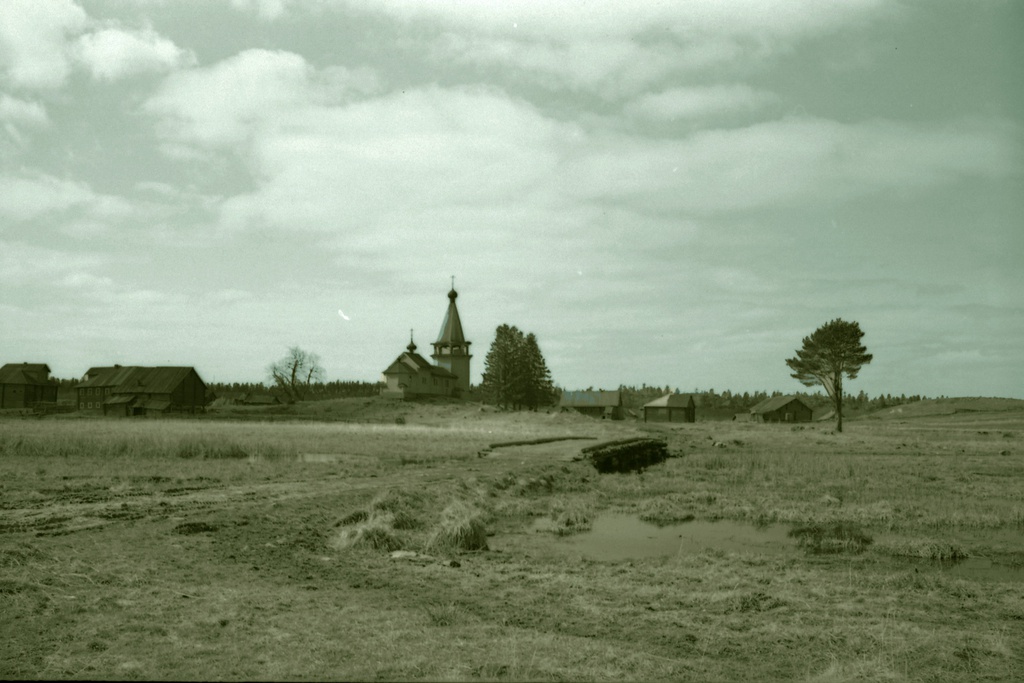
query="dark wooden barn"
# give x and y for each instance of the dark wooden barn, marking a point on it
(25, 385)
(671, 408)
(132, 390)
(781, 409)
(602, 404)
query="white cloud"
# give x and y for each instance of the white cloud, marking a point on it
(793, 159)
(33, 41)
(616, 18)
(20, 263)
(265, 9)
(699, 102)
(114, 53)
(22, 112)
(25, 198)
(327, 168)
(224, 103)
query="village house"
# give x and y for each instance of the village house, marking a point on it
(781, 409)
(411, 375)
(131, 390)
(671, 408)
(23, 385)
(602, 404)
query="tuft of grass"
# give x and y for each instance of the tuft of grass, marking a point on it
(926, 549)
(462, 527)
(353, 518)
(377, 532)
(668, 509)
(571, 516)
(831, 537)
(405, 506)
(442, 614)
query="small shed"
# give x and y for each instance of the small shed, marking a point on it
(781, 409)
(602, 404)
(671, 408)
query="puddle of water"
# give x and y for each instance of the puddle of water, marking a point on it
(625, 537)
(618, 537)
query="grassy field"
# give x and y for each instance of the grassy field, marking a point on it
(255, 548)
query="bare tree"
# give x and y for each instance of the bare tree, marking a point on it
(294, 373)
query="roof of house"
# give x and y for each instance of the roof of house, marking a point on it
(776, 402)
(672, 401)
(25, 373)
(451, 326)
(410, 361)
(591, 399)
(140, 380)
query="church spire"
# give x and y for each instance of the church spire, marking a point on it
(451, 326)
(451, 350)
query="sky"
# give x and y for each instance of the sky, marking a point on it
(665, 193)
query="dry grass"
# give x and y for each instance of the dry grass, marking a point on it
(377, 532)
(668, 509)
(121, 559)
(572, 515)
(462, 527)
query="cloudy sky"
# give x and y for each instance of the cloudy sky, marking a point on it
(664, 192)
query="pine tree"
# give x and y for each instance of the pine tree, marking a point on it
(830, 353)
(515, 373)
(538, 387)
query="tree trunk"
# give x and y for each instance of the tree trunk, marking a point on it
(839, 405)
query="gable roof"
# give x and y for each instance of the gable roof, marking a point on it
(776, 402)
(410, 361)
(672, 401)
(25, 373)
(136, 379)
(591, 399)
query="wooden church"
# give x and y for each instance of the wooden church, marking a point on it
(412, 376)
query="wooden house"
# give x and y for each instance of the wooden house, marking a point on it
(602, 404)
(133, 390)
(25, 385)
(671, 408)
(781, 409)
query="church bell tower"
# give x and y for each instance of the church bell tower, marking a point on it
(451, 350)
